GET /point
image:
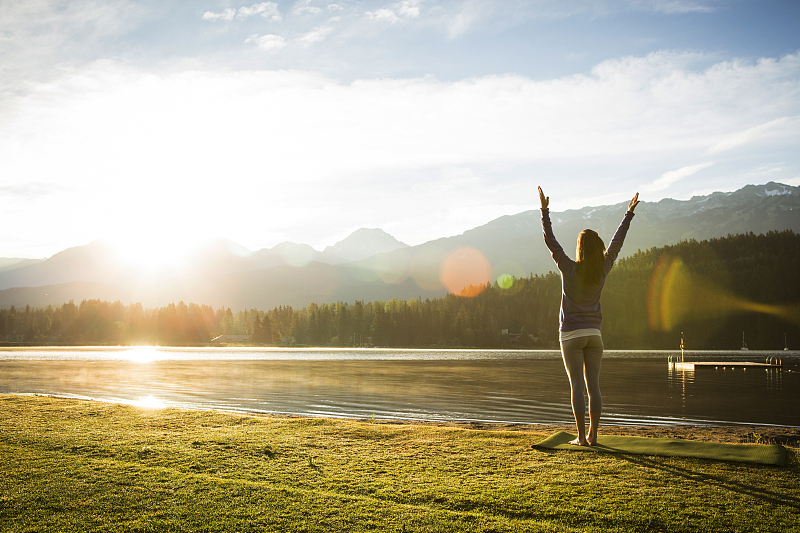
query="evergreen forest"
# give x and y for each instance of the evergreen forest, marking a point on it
(717, 293)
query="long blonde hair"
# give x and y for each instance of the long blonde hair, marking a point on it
(591, 256)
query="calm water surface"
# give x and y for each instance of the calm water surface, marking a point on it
(639, 387)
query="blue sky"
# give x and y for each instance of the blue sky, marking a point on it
(157, 125)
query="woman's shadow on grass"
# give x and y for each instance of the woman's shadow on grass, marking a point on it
(720, 482)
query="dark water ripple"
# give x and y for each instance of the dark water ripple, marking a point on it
(639, 388)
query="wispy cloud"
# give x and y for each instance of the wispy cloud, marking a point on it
(36, 34)
(672, 7)
(269, 43)
(267, 10)
(747, 136)
(227, 15)
(471, 12)
(273, 43)
(28, 191)
(317, 34)
(460, 17)
(668, 179)
(304, 8)
(383, 15)
(396, 13)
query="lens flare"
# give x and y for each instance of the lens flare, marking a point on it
(506, 272)
(505, 281)
(676, 295)
(466, 272)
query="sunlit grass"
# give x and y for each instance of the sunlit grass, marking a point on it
(68, 465)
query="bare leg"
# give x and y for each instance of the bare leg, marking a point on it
(594, 424)
(572, 353)
(580, 422)
(593, 355)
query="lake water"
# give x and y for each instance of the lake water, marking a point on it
(529, 387)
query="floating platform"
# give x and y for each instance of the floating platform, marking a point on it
(699, 365)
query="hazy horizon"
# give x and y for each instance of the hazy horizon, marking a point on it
(240, 249)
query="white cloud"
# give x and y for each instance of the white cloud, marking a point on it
(560, 9)
(747, 136)
(292, 146)
(668, 179)
(383, 15)
(34, 34)
(395, 13)
(227, 15)
(269, 43)
(268, 10)
(304, 7)
(28, 190)
(636, 105)
(462, 16)
(477, 12)
(408, 8)
(672, 7)
(317, 34)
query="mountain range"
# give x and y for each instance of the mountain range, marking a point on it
(372, 265)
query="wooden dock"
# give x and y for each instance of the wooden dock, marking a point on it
(722, 365)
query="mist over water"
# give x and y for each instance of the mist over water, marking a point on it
(531, 387)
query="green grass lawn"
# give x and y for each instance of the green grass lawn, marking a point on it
(69, 465)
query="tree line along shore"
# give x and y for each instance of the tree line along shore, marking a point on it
(713, 292)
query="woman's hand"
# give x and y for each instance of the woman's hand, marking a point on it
(545, 199)
(631, 206)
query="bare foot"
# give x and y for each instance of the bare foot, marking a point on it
(591, 439)
(579, 442)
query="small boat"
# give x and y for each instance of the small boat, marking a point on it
(785, 344)
(744, 344)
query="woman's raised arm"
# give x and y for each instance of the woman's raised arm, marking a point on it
(631, 206)
(545, 200)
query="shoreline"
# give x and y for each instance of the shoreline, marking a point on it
(556, 348)
(722, 433)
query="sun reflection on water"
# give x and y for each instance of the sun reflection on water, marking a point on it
(149, 402)
(141, 354)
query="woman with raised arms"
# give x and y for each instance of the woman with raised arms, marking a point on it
(580, 317)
